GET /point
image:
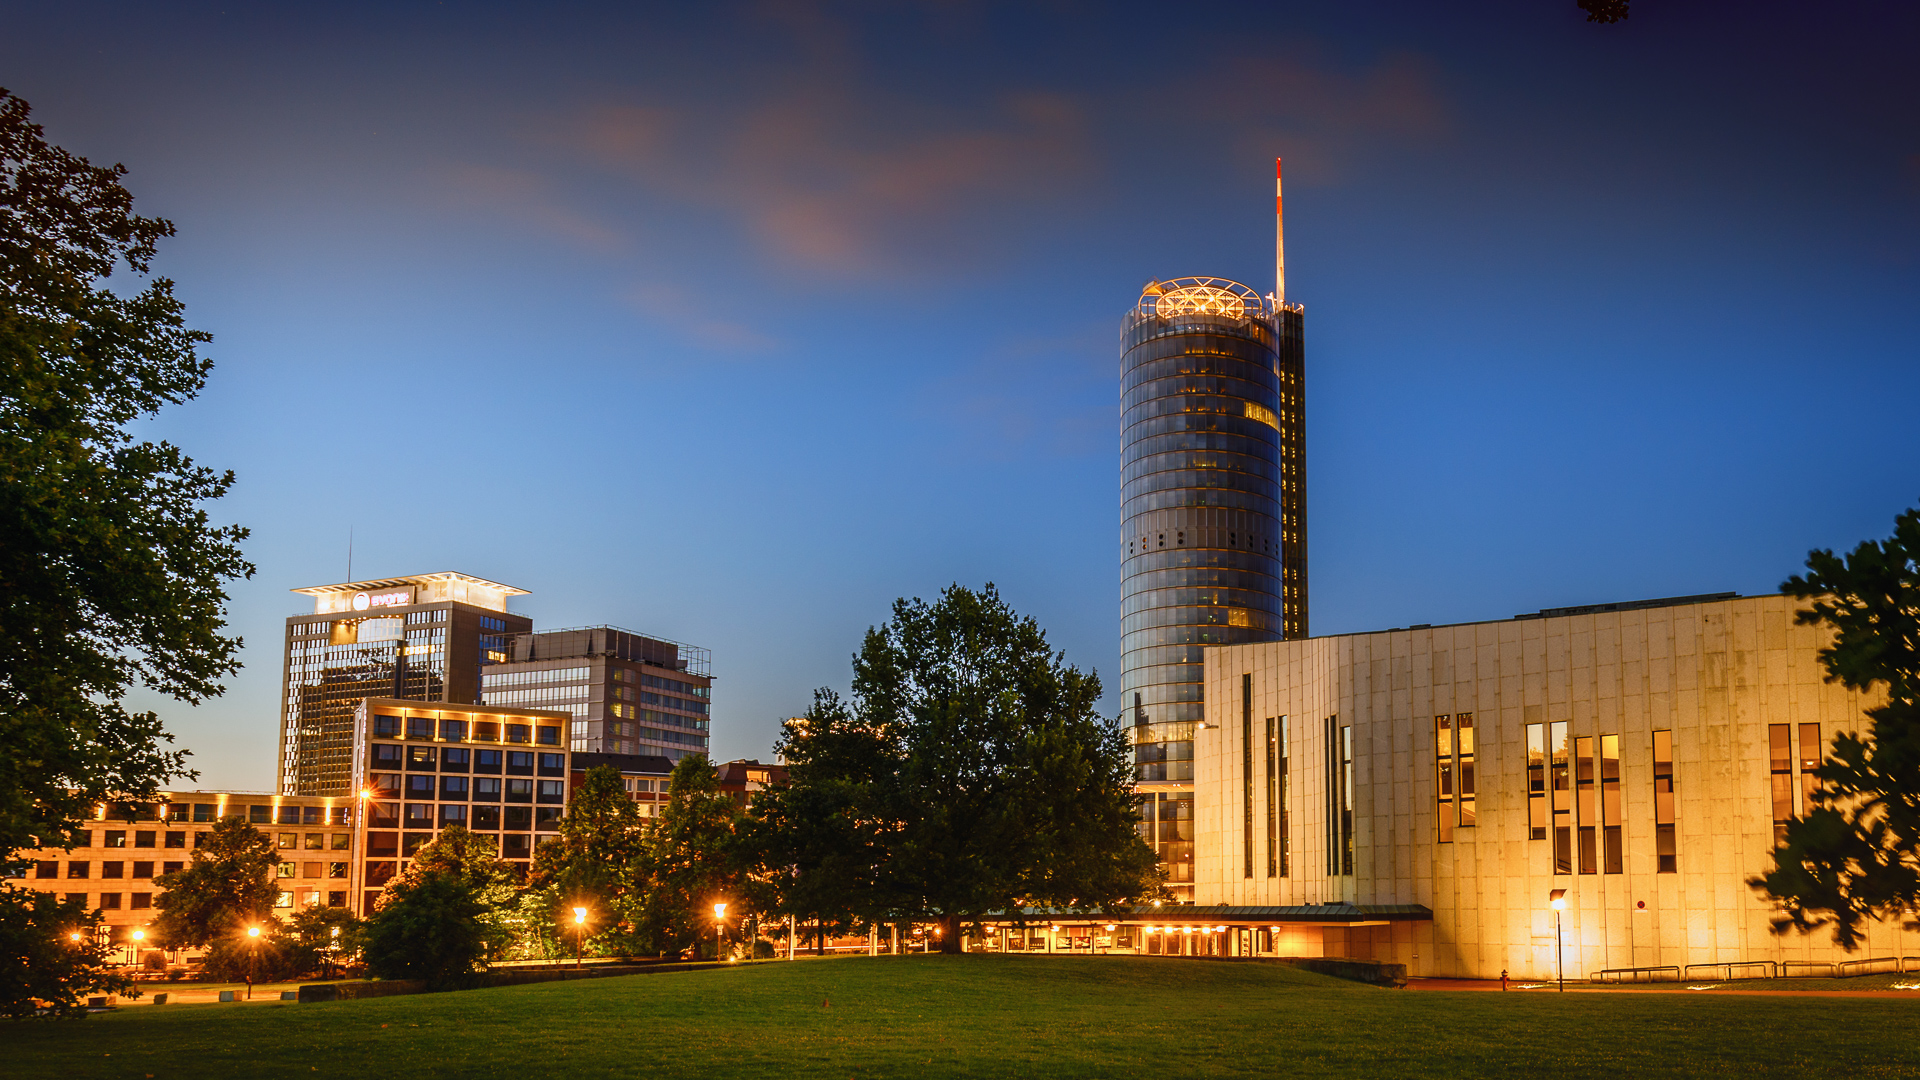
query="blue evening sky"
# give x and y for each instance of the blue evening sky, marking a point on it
(731, 323)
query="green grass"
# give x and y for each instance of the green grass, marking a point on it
(983, 1016)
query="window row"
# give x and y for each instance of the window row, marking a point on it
(424, 728)
(464, 789)
(48, 869)
(528, 678)
(459, 759)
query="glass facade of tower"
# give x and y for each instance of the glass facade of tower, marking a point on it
(1212, 528)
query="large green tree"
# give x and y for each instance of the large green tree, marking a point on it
(441, 918)
(694, 857)
(228, 886)
(111, 574)
(592, 863)
(1855, 856)
(972, 774)
(52, 955)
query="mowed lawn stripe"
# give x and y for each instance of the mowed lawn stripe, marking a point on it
(983, 1016)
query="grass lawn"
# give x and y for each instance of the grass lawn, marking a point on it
(983, 1016)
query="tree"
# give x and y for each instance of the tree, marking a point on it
(110, 572)
(1604, 11)
(819, 836)
(1856, 855)
(974, 771)
(591, 862)
(693, 859)
(320, 938)
(54, 956)
(440, 918)
(228, 886)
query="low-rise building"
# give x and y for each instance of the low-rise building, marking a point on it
(126, 845)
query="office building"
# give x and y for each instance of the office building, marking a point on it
(125, 845)
(628, 693)
(419, 638)
(1213, 522)
(1417, 796)
(421, 767)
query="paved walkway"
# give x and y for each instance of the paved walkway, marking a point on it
(1721, 988)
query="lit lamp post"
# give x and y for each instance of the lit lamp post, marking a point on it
(719, 929)
(133, 950)
(253, 957)
(1558, 901)
(579, 933)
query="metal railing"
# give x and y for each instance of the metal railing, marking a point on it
(1807, 969)
(1747, 969)
(1634, 974)
(1860, 966)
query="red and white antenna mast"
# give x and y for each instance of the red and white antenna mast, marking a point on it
(1279, 241)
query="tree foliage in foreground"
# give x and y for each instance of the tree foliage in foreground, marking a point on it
(110, 573)
(1856, 855)
(440, 919)
(695, 856)
(228, 886)
(42, 966)
(590, 863)
(972, 773)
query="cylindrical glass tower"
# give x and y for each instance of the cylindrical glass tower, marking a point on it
(1212, 529)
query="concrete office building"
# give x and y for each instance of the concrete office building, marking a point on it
(420, 767)
(421, 638)
(628, 693)
(1213, 513)
(1416, 795)
(125, 845)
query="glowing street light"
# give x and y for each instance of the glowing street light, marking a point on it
(719, 929)
(1558, 901)
(579, 933)
(253, 958)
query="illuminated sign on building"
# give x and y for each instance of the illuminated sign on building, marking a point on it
(384, 598)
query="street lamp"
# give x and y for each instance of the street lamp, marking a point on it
(133, 950)
(719, 928)
(579, 933)
(1558, 901)
(253, 958)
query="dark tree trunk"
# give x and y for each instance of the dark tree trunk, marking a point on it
(950, 934)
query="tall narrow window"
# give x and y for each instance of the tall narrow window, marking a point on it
(1246, 769)
(1780, 772)
(1330, 761)
(1463, 767)
(1273, 805)
(1443, 777)
(1346, 800)
(1588, 802)
(1613, 859)
(1281, 794)
(1665, 843)
(1560, 789)
(1810, 747)
(1536, 781)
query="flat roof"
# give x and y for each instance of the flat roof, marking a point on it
(415, 579)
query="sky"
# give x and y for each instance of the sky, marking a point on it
(731, 323)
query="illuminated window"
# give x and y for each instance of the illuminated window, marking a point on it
(1666, 844)
(1810, 746)
(1613, 857)
(1443, 777)
(1536, 781)
(1560, 791)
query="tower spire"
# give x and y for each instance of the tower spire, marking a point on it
(1279, 239)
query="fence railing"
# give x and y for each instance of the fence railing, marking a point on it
(1807, 969)
(1869, 967)
(1668, 973)
(1736, 969)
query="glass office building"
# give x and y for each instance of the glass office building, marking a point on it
(418, 638)
(628, 693)
(1212, 517)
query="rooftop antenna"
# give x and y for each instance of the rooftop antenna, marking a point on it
(1279, 241)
